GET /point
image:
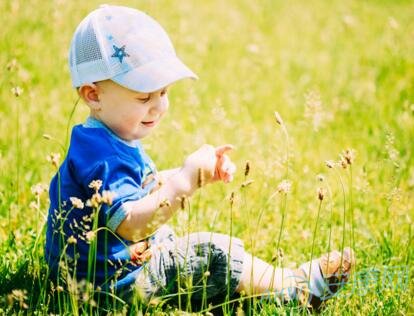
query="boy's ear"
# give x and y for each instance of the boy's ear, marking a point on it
(90, 94)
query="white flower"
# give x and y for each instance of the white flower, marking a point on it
(77, 203)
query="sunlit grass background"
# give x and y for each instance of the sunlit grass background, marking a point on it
(341, 75)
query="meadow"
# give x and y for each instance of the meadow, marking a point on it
(340, 75)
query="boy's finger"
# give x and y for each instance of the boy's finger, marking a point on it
(222, 149)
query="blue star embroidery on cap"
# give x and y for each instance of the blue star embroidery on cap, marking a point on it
(120, 53)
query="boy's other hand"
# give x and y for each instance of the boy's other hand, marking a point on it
(225, 168)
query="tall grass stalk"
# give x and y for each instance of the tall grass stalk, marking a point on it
(314, 238)
(280, 121)
(343, 219)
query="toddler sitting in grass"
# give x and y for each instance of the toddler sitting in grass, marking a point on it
(123, 63)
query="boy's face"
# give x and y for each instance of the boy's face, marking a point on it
(129, 114)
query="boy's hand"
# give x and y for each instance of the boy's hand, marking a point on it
(213, 162)
(225, 168)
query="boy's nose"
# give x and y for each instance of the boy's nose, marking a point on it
(160, 105)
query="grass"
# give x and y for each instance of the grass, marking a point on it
(341, 75)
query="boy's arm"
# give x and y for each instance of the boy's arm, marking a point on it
(166, 174)
(145, 215)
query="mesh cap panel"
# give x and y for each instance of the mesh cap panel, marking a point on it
(87, 47)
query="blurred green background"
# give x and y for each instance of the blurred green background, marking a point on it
(341, 75)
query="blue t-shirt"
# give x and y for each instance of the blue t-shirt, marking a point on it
(96, 153)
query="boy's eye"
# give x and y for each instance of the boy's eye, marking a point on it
(144, 100)
(163, 92)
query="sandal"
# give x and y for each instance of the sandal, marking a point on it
(328, 275)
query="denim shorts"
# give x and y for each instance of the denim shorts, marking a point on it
(199, 265)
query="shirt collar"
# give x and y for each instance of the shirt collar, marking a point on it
(92, 122)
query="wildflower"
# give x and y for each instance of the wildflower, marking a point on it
(17, 91)
(94, 201)
(38, 189)
(278, 118)
(90, 236)
(96, 185)
(72, 240)
(320, 177)
(207, 274)
(59, 288)
(284, 187)
(18, 296)
(201, 178)
(108, 197)
(54, 158)
(77, 203)
(321, 194)
(247, 169)
(349, 155)
(330, 164)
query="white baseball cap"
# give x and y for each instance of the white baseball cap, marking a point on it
(126, 46)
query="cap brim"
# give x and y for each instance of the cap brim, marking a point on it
(154, 75)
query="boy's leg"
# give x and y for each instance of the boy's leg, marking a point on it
(204, 265)
(311, 284)
(259, 277)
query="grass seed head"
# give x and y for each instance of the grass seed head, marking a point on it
(330, 164)
(321, 194)
(12, 65)
(342, 161)
(278, 118)
(201, 178)
(72, 240)
(38, 189)
(284, 187)
(183, 201)
(17, 91)
(320, 177)
(165, 203)
(54, 159)
(247, 168)
(232, 198)
(349, 155)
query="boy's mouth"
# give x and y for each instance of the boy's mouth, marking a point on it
(149, 123)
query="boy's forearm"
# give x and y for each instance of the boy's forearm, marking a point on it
(144, 216)
(164, 175)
